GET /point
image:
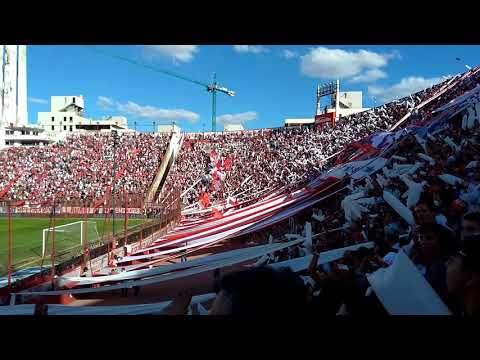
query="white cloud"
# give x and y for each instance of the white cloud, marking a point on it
(289, 54)
(105, 102)
(237, 118)
(38, 101)
(394, 54)
(147, 111)
(325, 63)
(254, 49)
(405, 87)
(181, 53)
(369, 76)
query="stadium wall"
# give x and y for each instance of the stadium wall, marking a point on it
(67, 210)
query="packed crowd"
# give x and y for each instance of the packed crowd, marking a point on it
(81, 167)
(436, 178)
(443, 242)
(274, 158)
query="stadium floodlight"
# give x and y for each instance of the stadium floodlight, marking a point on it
(71, 236)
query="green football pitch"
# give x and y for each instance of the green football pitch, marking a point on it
(27, 237)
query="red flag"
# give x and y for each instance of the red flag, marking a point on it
(204, 200)
(214, 180)
(213, 155)
(217, 214)
(228, 163)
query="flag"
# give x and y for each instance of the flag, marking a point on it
(213, 155)
(204, 199)
(228, 163)
(217, 214)
(357, 169)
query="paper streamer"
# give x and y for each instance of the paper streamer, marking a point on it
(403, 290)
(325, 257)
(401, 209)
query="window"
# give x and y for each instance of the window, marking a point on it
(53, 118)
(65, 128)
(71, 128)
(64, 118)
(53, 128)
(74, 100)
(71, 119)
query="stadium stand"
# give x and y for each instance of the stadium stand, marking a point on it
(256, 161)
(423, 203)
(80, 168)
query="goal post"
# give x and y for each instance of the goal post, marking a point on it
(70, 238)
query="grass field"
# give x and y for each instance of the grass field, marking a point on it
(27, 237)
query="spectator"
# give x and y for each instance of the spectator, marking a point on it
(260, 292)
(433, 246)
(470, 226)
(84, 272)
(463, 275)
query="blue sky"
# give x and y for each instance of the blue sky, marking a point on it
(272, 82)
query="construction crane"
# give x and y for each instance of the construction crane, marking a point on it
(213, 88)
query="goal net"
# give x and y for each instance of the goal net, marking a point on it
(70, 239)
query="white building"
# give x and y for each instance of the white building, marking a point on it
(233, 127)
(349, 102)
(345, 104)
(13, 85)
(22, 136)
(66, 116)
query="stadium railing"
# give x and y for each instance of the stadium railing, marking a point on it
(161, 222)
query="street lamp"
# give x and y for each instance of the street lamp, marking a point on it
(154, 123)
(135, 126)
